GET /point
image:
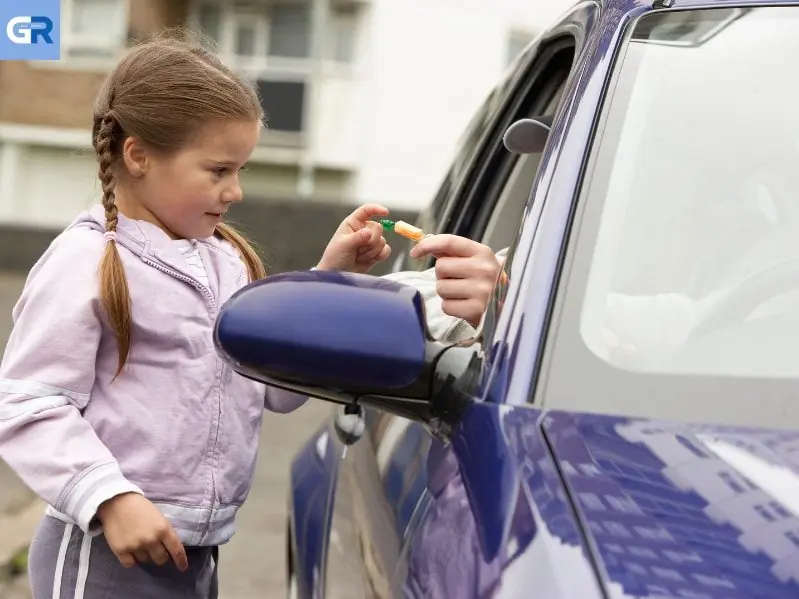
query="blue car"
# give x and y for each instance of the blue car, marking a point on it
(627, 422)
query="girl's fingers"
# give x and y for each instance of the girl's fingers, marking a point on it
(176, 550)
(126, 559)
(384, 253)
(158, 553)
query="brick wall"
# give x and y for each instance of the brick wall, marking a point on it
(59, 96)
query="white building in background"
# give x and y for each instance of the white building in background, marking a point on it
(740, 479)
(370, 114)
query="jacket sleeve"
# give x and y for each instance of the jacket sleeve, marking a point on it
(46, 378)
(440, 325)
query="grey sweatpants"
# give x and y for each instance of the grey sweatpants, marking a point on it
(66, 564)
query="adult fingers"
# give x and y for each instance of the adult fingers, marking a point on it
(449, 245)
(469, 310)
(454, 288)
(450, 267)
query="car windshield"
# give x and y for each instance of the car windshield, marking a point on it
(685, 278)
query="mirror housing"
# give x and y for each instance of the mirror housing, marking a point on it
(341, 337)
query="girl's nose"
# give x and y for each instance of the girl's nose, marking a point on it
(233, 193)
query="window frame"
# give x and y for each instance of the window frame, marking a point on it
(308, 56)
(494, 174)
(225, 43)
(556, 324)
(460, 195)
(496, 171)
(92, 48)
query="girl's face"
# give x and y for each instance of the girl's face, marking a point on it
(186, 193)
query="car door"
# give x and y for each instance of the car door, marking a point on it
(382, 500)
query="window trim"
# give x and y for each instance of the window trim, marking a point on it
(225, 45)
(544, 78)
(493, 116)
(99, 62)
(70, 40)
(502, 162)
(481, 171)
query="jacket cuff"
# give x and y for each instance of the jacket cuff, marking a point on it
(94, 487)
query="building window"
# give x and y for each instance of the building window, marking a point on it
(617, 529)
(653, 533)
(592, 501)
(731, 482)
(209, 20)
(691, 447)
(290, 30)
(283, 103)
(643, 552)
(764, 513)
(779, 509)
(341, 35)
(281, 30)
(792, 537)
(246, 38)
(623, 504)
(95, 27)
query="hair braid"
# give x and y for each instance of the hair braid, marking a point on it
(114, 290)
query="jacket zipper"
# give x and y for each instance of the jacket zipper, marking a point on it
(212, 304)
(209, 297)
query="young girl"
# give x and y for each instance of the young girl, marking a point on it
(114, 406)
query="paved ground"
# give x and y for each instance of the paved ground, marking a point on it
(253, 564)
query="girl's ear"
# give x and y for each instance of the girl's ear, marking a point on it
(135, 157)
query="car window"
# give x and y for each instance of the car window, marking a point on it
(477, 143)
(503, 185)
(503, 195)
(682, 298)
(512, 192)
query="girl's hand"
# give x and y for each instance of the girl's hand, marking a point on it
(358, 244)
(466, 271)
(137, 532)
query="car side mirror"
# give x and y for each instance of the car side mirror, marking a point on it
(341, 337)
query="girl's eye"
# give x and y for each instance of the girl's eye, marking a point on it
(219, 172)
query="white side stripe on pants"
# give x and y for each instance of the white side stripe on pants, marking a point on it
(62, 556)
(83, 565)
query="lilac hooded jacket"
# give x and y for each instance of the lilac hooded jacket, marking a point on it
(178, 425)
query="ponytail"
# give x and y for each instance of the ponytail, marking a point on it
(114, 292)
(255, 268)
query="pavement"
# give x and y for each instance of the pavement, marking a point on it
(252, 565)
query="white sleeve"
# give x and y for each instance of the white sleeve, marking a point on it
(440, 325)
